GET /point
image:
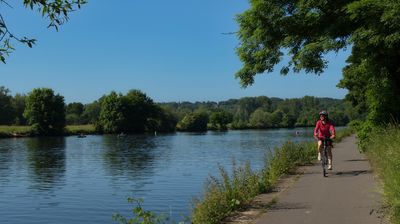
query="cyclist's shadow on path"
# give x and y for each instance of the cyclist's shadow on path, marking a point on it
(341, 173)
(288, 206)
(351, 173)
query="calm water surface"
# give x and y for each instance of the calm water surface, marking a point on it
(86, 180)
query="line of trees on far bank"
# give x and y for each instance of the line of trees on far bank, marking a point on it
(135, 112)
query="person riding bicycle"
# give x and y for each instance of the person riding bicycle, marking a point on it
(324, 129)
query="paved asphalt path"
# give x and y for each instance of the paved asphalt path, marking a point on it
(350, 193)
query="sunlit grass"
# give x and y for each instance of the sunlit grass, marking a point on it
(226, 194)
(17, 129)
(10, 131)
(78, 129)
(383, 149)
(343, 133)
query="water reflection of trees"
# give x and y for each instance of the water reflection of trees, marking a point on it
(131, 156)
(46, 159)
(6, 158)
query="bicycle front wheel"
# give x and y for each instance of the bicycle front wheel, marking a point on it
(324, 162)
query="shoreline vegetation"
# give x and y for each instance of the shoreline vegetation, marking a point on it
(16, 131)
(134, 112)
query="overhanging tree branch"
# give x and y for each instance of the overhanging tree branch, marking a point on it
(56, 11)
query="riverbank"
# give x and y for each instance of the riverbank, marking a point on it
(14, 131)
(383, 149)
(227, 194)
(26, 131)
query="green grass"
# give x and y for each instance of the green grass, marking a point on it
(229, 193)
(226, 194)
(383, 149)
(8, 131)
(343, 134)
(77, 129)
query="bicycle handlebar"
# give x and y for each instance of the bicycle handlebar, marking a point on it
(323, 138)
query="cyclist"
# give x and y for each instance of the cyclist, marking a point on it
(324, 129)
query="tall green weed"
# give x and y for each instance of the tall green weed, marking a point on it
(383, 148)
(227, 194)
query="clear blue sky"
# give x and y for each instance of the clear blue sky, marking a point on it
(171, 50)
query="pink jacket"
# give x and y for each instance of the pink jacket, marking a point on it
(324, 130)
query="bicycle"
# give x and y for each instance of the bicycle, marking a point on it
(324, 155)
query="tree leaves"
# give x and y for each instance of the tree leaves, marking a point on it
(309, 29)
(305, 29)
(134, 112)
(45, 111)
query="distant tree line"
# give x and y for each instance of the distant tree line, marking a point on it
(260, 112)
(48, 114)
(135, 112)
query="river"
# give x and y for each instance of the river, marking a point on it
(86, 180)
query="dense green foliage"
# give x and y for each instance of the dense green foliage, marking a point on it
(135, 112)
(91, 113)
(139, 110)
(11, 108)
(45, 111)
(306, 30)
(140, 215)
(164, 120)
(132, 113)
(111, 114)
(220, 119)
(264, 112)
(196, 121)
(18, 105)
(6, 112)
(74, 113)
(382, 147)
(56, 11)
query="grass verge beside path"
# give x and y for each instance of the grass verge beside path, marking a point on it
(383, 149)
(229, 193)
